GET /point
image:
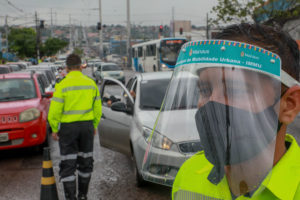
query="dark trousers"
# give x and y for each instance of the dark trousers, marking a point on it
(76, 141)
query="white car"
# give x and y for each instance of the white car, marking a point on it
(128, 117)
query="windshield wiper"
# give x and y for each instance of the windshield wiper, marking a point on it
(151, 107)
(8, 98)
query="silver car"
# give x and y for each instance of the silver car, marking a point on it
(129, 114)
(109, 70)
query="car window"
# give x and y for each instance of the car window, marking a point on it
(111, 68)
(45, 80)
(112, 92)
(152, 93)
(41, 85)
(3, 70)
(17, 89)
(15, 68)
(129, 83)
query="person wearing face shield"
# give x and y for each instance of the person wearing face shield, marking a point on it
(247, 90)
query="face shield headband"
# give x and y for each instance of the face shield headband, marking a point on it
(219, 125)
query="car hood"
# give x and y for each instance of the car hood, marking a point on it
(176, 129)
(147, 118)
(18, 106)
(178, 125)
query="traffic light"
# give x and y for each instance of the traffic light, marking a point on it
(42, 24)
(161, 28)
(99, 26)
(180, 30)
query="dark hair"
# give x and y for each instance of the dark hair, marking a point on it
(73, 62)
(274, 40)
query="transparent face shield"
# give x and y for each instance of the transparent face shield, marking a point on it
(223, 100)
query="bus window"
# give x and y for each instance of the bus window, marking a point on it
(151, 50)
(140, 52)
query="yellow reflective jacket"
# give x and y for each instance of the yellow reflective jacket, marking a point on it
(76, 98)
(282, 183)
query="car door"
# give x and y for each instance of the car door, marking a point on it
(114, 127)
(98, 72)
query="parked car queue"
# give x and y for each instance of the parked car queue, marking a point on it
(24, 102)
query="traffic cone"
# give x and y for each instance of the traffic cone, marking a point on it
(48, 187)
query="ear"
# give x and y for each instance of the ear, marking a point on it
(290, 105)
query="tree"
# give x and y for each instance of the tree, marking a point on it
(22, 42)
(272, 12)
(52, 46)
(78, 51)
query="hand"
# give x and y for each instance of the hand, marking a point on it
(95, 131)
(55, 136)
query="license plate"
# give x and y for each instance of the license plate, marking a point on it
(3, 137)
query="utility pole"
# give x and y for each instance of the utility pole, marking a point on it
(6, 34)
(37, 25)
(173, 21)
(70, 39)
(100, 31)
(51, 24)
(207, 27)
(128, 46)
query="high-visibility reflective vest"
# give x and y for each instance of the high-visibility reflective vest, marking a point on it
(76, 98)
(283, 182)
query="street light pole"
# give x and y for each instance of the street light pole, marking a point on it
(100, 32)
(6, 33)
(37, 38)
(128, 36)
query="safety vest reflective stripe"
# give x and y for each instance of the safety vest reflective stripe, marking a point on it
(84, 87)
(187, 195)
(84, 175)
(77, 112)
(68, 179)
(85, 155)
(69, 157)
(58, 99)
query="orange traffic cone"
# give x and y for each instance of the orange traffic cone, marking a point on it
(48, 187)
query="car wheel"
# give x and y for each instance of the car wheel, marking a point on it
(139, 181)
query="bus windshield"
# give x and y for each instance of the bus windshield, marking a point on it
(170, 50)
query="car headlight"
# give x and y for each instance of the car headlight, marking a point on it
(29, 115)
(158, 140)
(164, 66)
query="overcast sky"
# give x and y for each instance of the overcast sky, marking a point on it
(143, 12)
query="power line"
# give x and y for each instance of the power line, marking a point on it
(15, 7)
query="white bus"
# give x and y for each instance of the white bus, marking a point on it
(156, 55)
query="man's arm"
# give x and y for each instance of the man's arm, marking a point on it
(97, 108)
(56, 109)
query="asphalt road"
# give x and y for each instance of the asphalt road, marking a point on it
(112, 179)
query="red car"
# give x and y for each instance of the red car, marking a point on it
(23, 111)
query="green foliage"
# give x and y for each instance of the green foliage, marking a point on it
(78, 51)
(238, 11)
(22, 41)
(52, 46)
